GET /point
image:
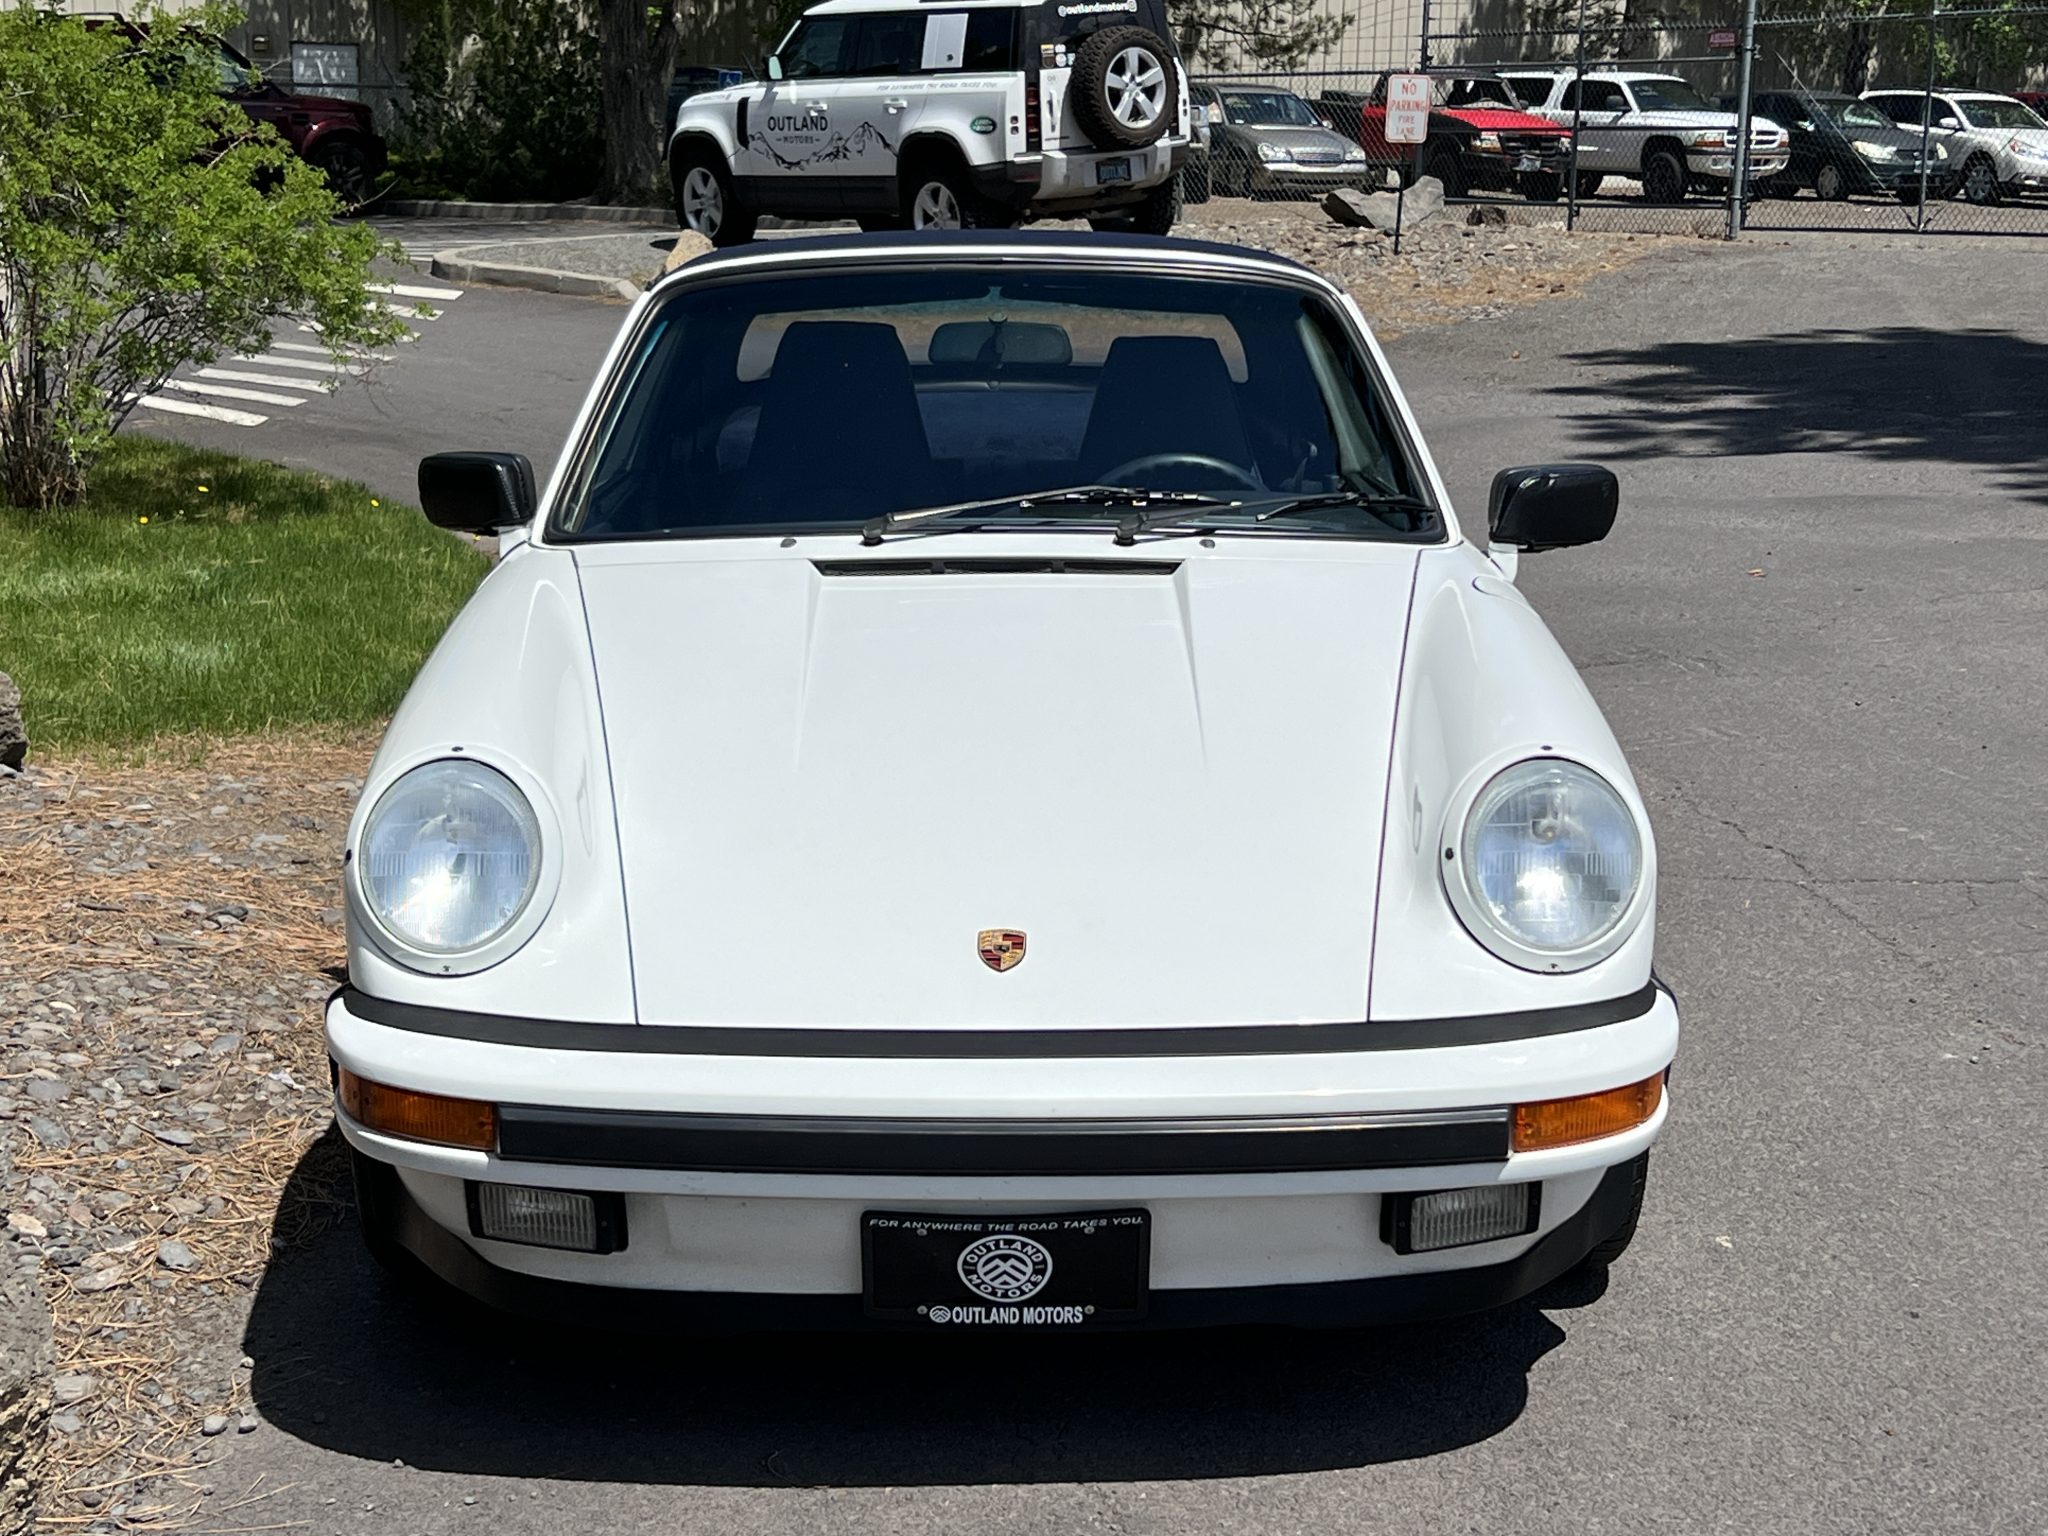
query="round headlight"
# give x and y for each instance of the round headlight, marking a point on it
(1551, 860)
(449, 858)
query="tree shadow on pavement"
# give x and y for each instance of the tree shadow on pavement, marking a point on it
(1904, 394)
(348, 1361)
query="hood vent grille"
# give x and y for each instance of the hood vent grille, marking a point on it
(997, 565)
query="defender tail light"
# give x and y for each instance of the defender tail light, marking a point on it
(1034, 129)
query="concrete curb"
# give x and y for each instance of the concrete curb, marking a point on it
(529, 213)
(459, 269)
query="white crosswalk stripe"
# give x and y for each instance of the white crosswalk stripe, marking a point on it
(247, 376)
(233, 418)
(291, 374)
(308, 364)
(415, 291)
(230, 392)
(352, 354)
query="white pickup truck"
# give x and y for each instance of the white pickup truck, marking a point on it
(1655, 128)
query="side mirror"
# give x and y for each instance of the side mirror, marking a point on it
(1552, 506)
(477, 492)
(1949, 124)
(774, 66)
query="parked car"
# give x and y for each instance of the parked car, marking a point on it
(1841, 145)
(1195, 177)
(1999, 145)
(337, 137)
(1480, 139)
(694, 80)
(1265, 141)
(905, 114)
(1081, 546)
(1653, 127)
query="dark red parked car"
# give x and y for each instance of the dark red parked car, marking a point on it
(334, 136)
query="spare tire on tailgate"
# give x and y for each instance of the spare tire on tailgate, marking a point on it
(1125, 87)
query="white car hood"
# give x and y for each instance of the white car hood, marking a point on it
(828, 784)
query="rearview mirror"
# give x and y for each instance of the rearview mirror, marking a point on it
(1552, 506)
(477, 492)
(774, 66)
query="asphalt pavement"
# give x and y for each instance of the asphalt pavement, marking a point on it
(1817, 629)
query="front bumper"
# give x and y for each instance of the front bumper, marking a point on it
(1291, 176)
(744, 1176)
(1720, 164)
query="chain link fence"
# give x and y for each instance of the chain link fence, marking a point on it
(1587, 114)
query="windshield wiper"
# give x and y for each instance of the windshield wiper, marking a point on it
(1370, 501)
(876, 528)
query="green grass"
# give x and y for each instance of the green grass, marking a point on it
(195, 594)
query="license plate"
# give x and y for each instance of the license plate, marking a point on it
(1112, 170)
(1529, 163)
(1070, 1269)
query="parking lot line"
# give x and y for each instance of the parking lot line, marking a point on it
(354, 354)
(264, 359)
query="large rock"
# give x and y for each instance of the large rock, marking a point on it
(1378, 210)
(13, 736)
(688, 247)
(25, 1363)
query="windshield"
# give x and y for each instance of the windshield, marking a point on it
(818, 403)
(1267, 109)
(1851, 113)
(2000, 114)
(1669, 96)
(1472, 91)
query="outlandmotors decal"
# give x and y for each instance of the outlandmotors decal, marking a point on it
(838, 149)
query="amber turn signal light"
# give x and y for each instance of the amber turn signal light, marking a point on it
(1564, 1122)
(419, 1116)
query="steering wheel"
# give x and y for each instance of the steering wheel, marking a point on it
(1236, 473)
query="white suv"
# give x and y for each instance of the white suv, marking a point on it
(1653, 127)
(2001, 144)
(933, 116)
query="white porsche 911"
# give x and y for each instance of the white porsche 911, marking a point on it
(991, 790)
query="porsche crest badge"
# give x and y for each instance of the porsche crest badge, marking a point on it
(1001, 948)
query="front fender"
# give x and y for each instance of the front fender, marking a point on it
(512, 685)
(1484, 684)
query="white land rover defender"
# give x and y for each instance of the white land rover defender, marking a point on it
(980, 114)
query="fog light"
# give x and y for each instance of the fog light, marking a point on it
(548, 1218)
(419, 1116)
(1454, 1218)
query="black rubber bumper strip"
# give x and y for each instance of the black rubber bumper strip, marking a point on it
(589, 1138)
(1402, 1298)
(999, 1044)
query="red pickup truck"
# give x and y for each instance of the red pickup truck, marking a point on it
(1479, 137)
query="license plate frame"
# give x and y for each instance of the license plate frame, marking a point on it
(1529, 163)
(1114, 170)
(1049, 1269)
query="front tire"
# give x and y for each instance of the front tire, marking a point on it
(1542, 186)
(1663, 177)
(346, 165)
(1829, 184)
(1615, 1244)
(1194, 184)
(1443, 165)
(1980, 182)
(378, 1203)
(706, 202)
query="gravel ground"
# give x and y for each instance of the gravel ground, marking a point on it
(1447, 269)
(164, 934)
